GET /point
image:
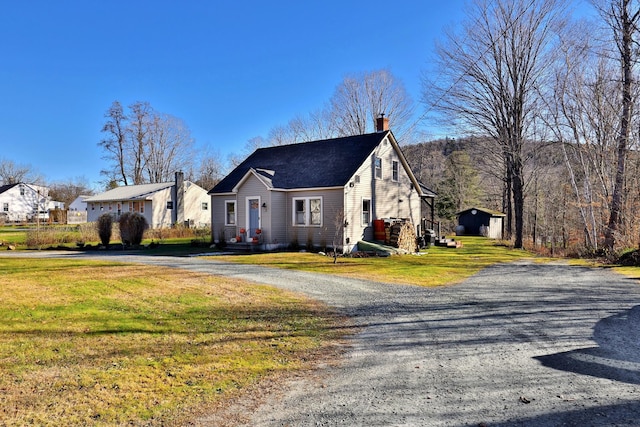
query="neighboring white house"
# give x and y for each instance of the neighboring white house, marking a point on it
(79, 204)
(160, 204)
(307, 192)
(24, 202)
(77, 213)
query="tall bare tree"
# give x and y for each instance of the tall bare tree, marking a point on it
(622, 16)
(114, 143)
(13, 173)
(145, 146)
(361, 98)
(352, 110)
(582, 112)
(138, 130)
(488, 77)
(210, 171)
(169, 148)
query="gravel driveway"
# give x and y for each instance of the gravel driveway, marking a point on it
(517, 344)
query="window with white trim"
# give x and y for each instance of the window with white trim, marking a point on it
(230, 212)
(366, 211)
(5, 207)
(169, 204)
(378, 168)
(394, 170)
(205, 206)
(307, 211)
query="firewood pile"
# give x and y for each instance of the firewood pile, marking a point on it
(402, 235)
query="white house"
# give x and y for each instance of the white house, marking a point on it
(24, 202)
(79, 204)
(77, 212)
(160, 203)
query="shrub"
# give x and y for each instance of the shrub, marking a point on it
(105, 227)
(87, 232)
(132, 228)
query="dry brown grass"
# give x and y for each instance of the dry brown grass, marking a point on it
(104, 344)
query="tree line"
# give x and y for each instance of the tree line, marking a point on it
(542, 108)
(525, 79)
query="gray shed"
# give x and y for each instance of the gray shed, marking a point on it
(481, 222)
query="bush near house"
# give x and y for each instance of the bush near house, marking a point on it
(105, 227)
(132, 228)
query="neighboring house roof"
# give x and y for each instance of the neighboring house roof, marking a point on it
(4, 188)
(129, 192)
(487, 211)
(316, 164)
(34, 187)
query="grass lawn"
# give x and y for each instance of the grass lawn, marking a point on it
(433, 267)
(100, 343)
(13, 235)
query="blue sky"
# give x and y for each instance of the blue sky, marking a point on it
(230, 70)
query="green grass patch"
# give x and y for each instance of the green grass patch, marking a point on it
(433, 267)
(13, 235)
(88, 342)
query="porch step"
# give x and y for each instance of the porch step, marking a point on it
(243, 247)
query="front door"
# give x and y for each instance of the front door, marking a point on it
(254, 216)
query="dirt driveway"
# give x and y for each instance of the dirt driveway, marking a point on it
(520, 344)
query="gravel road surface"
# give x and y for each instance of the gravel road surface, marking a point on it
(519, 344)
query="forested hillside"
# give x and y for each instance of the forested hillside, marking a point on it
(567, 189)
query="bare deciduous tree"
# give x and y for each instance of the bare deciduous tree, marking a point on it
(352, 110)
(13, 173)
(361, 98)
(210, 171)
(489, 74)
(68, 191)
(622, 16)
(169, 148)
(138, 129)
(581, 113)
(145, 146)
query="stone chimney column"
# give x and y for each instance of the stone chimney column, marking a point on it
(179, 198)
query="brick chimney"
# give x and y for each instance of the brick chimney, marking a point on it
(382, 123)
(179, 198)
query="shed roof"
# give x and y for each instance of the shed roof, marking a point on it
(487, 211)
(316, 164)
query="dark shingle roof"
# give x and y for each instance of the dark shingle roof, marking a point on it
(324, 163)
(4, 188)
